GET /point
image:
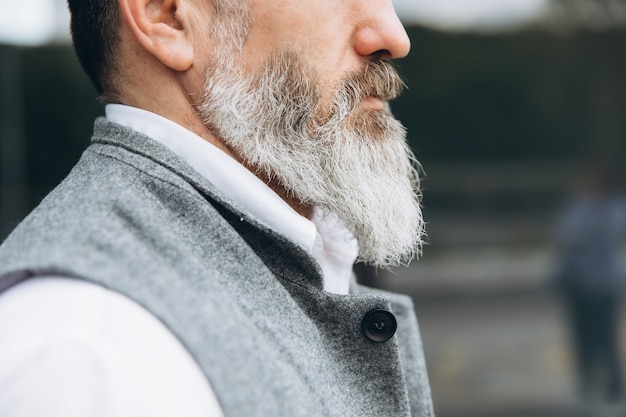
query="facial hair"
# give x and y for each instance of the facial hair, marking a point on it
(336, 156)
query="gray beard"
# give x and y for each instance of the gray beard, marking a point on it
(354, 163)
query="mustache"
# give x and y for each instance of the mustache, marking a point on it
(378, 79)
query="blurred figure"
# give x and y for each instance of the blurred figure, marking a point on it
(589, 233)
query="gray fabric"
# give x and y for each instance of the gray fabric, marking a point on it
(247, 303)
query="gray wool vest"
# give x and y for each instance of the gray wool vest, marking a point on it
(246, 302)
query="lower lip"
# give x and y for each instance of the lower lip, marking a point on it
(373, 103)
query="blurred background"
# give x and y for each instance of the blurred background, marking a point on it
(514, 109)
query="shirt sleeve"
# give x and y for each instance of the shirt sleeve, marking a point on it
(75, 349)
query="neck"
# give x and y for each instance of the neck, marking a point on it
(305, 210)
(186, 117)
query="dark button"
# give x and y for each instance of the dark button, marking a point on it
(379, 325)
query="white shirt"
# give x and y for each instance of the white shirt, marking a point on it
(74, 349)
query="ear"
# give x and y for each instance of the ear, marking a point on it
(160, 28)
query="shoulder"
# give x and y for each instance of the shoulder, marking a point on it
(77, 349)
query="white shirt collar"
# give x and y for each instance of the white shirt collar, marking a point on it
(333, 246)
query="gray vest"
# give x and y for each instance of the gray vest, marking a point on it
(247, 303)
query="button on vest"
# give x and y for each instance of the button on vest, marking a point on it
(379, 325)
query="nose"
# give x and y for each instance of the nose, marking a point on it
(380, 32)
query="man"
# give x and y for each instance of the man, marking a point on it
(588, 236)
(197, 260)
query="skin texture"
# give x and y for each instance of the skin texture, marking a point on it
(170, 43)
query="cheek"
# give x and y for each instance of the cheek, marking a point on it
(311, 28)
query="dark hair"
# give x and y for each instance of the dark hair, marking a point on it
(95, 25)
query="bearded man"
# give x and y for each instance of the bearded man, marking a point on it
(198, 259)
